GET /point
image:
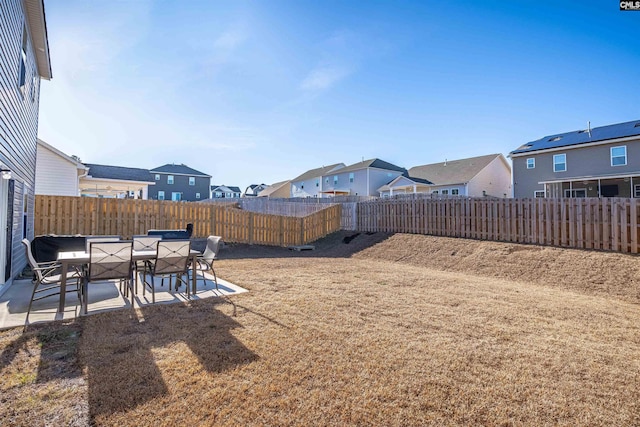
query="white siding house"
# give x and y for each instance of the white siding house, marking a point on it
(56, 173)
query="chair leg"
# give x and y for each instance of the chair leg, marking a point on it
(33, 294)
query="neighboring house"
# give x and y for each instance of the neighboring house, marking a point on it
(225, 192)
(310, 183)
(116, 182)
(279, 190)
(57, 174)
(179, 182)
(360, 179)
(405, 185)
(24, 61)
(254, 189)
(598, 162)
(488, 175)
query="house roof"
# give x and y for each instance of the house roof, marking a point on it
(318, 172)
(228, 187)
(179, 170)
(273, 188)
(602, 133)
(62, 155)
(119, 172)
(395, 180)
(452, 171)
(37, 25)
(372, 163)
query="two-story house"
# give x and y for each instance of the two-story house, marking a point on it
(360, 179)
(310, 183)
(24, 61)
(179, 182)
(225, 192)
(277, 190)
(599, 162)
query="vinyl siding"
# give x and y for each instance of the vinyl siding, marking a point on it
(581, 161)
(18, 123)
(180, 185)
(55, 176)
(495, 179)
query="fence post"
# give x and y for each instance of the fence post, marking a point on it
(251, 228)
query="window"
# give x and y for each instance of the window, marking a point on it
(25, 211)
(302, 185)
(560, 163)
(445, 191)
(34, 86)
(455, 192)
(160, 195)
(636, 191)
(22, 77)
(335, 179)
(576, 192)
(538, 194)
(197, 195)
(434, 192)
(176, 197)
(531, 163)
(351, 177)
(157, 177)
(170, 179)
(619, 156)
(192, 180)
(317, 183)
(326, 180)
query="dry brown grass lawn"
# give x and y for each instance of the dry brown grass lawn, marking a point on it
(413, 330)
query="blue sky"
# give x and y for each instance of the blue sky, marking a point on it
(261, 91)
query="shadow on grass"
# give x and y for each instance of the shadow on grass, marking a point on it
(117, 349)
(341, 244)
(57, 344)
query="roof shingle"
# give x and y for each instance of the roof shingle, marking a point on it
(179, 169)
(119, 172)
(452, 171)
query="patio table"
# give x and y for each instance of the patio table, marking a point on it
(67, 259)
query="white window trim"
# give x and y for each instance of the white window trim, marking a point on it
(170, 179)
(160, 194)
(536, 192)
(636, 190)
(533, 163)
(625, 155)
(565, 162)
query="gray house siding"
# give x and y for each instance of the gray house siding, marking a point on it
(365, 181)
(18, 128)
(180, 185)
(582, 161)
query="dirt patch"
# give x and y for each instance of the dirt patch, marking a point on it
(595, 272)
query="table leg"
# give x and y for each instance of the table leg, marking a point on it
(193, 274)
(63, 289)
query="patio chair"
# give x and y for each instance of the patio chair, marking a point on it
(92, 239)
(143, 243)
(108, 261)
(46, 279)
(172, 259)
(205, 261)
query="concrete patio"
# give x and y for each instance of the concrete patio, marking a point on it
(103, 296)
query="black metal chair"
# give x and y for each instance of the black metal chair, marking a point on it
(108, 261)
(172, 259)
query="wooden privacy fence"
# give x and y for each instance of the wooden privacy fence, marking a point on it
(593, 223)
(128, 217)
